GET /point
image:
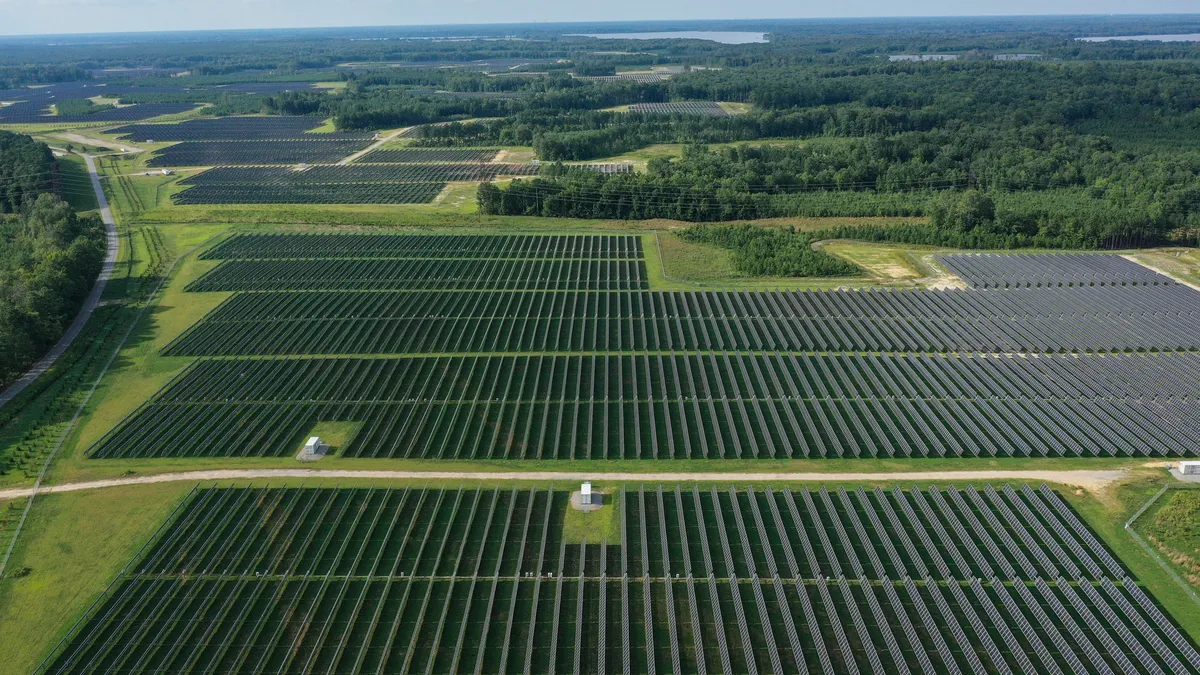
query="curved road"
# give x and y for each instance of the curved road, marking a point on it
(1091, 480)
(93, 299)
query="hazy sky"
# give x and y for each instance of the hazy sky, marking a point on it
(97, 16)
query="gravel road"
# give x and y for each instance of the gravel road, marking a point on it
(1090, 480)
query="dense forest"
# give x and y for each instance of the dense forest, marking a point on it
(1072, 144)
(49, 256)
(1051, 144)
(1047, 186)
(27, 168)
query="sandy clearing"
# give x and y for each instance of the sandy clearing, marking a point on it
(1147, 263)
(374, 146)
(1089, 480)
(99, 142)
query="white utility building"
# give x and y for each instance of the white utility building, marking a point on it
(313, 450)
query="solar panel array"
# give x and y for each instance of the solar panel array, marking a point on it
(254, 152)
(232, 128)
(735, 581)
(537, 346)
(1007, 270)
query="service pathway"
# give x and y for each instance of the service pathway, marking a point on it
(1090, 480)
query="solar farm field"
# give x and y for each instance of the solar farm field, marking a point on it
(310, 193)
(701, 108)
(411, 155)
(551, 347)
(712, 405)
(422, 274)
(1115, 319)
(229, 129)
(736, 581)
(360, 183)
(626, 77)
(253, 152)
(290, 246)
(358, 173)
(36, 111)
(995, 270)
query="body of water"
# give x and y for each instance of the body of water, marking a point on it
(724, 37)
(1180, 37)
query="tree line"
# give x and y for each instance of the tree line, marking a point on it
(27, 168)
(1046, 186)
(49, 256)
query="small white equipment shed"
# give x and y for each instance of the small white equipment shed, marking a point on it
(1189, 468)
(585, 494)
(313, 450)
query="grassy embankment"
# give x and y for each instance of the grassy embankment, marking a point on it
(76, 184)
(1172, 526)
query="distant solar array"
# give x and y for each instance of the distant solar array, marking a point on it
(699, 108)
(628, 77)
(604, 168)
(234, 129)
(1009, 270)
(357, 173)
(37, 111)
(351, 245)
(417, 155)
(256, 152)
(390, 176)
(311, 193)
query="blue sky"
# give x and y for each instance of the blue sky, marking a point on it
(23, 17)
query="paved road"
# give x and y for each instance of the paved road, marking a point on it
(1091, 480)
(93, 299)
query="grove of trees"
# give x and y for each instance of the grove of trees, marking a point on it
(49, 256)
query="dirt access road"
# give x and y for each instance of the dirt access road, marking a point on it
(1089, 480)
(89, 305)
(374, 146)
(99, 142)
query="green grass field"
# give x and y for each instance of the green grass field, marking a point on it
(1172, 526)
(595, 526)
(73, 545)
(76, 184)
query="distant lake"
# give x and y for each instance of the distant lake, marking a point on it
(1181, 37)
(724, 37)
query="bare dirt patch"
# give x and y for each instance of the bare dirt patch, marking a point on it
(99, 142)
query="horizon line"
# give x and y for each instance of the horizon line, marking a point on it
(545, 24)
